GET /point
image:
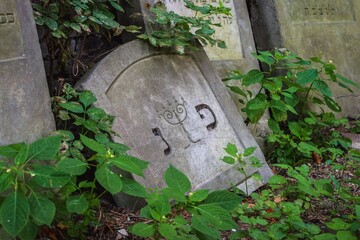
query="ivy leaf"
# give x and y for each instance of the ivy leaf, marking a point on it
(14, 213)
(177, 180)
(108, 179)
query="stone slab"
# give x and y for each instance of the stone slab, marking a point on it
(173, 109)
(25, 111)
(316, 27)
(236, 32)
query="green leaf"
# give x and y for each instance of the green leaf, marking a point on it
(228, 160)
(77, 204)
(108, 179)
(87, 98)
(133, 188)
(74, 107)
(76, 27)
(42, 209)
(130, 164)
(338, 224)
(174, 194)
(199, 195)
(96, 113)
(322, 87)
(71, 166)
(231, 149)
(332, 104)
(142, 229)
(92, 144)
(248, 151)
(48, 177)
(217, 216)
(224, 199)
(274, 126)
(22, 155)
(118, 147)
(307, 76)
(51, 23)
(277, 179)
(252, 77)
(45, 148)
(14, 213)
(5, 181)
(345, 235)
(10, 151)
(177, 180)
(29, 232)
(168, 231)
(325, 236)
(202, 224)
(357, 210)
(237, 90)
(348, 81)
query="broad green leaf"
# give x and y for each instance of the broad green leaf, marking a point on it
(348, 81)
(224, 199)
(203, 225)
(29, 232)
(307, 76)
(248, 151)
(277, 179)
(71, 166)
(108, 179)
(130, 164)
(48, 177)
(10, 151)
(75, 26)
(322, 87)
(237, 90)
(5, 181)
(167, 231)
(51, 23)
(338, 224)
(231, 149)
(74, 107)
(252, 77)
(14, 213)
(142, 229)
(96, 113)
(177, 180)
(93, 145)
(118, 147)
(42, 209)
(45, 148)
(273, 125)
(278, 231)
(325, 236)
(345, 235)
(22, 156)
(77, 204)
(133, 188)
(199, 195)
(159, 205)
(295, 129)
(228, 160)
(87, 98)
(174, 194)
(357, 210)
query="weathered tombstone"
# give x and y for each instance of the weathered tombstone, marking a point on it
(25, 112)
(314, 27)
(173, 109)
(235, 31)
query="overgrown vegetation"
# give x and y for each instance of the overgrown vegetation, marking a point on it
(54, 180)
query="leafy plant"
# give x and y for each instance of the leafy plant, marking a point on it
(170, 29)
(199, 214)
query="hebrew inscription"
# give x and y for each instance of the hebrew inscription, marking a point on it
(321, 11)
(11, 42)
(229, 32)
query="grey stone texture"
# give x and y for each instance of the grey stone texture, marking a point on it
(311, 28)
(25, 111)
(173, 109)
(236, 31)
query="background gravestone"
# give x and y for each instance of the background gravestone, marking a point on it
(314, 27)
(173, 109)
(235, 31)
(25, 112)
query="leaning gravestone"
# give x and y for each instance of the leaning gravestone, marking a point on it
(173, 109)
(314, 27)
(235, 31)
(25, 112)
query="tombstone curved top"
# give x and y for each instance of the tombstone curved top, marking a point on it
(173, 109)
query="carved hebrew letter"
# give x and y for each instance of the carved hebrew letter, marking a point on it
(3, 19)
(10, 17)
(157, 132)
(201, 107)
